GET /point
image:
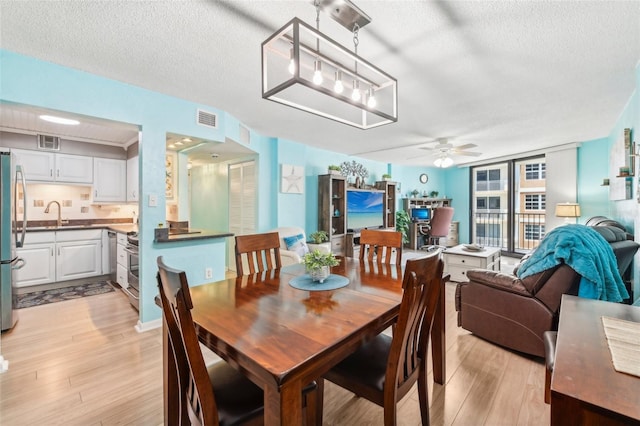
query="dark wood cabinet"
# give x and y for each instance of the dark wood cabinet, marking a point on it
(332, 210)
(390, 190)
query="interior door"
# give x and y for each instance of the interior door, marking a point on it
(242, 203)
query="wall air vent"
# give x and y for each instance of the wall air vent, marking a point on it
(208, 119)
(49, 143)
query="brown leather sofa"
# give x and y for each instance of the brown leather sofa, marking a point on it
(515, 312)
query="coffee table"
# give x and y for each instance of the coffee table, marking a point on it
(458, 260)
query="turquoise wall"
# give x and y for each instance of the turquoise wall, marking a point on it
(592, 196)
(30, 81)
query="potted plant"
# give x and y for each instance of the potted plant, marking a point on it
(434, 194)
(402, 224)
(386, 176)
(319, 240)
(334, 170)
(318, 264)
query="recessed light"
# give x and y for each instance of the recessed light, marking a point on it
(59, 120)
(179, 143)
(172, 146)
(186, 140)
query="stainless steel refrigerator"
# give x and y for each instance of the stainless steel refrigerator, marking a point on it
(12, 183)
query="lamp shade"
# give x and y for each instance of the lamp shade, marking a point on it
(568, 210)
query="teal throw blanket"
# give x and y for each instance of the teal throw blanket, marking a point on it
(588, 253)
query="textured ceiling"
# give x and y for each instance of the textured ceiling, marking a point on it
(508, 76)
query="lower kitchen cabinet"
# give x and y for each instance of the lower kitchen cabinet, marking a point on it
(78, 259)
(60, 256)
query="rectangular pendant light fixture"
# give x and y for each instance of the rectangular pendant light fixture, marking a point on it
(307, 70)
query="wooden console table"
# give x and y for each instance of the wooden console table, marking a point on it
(585, 389)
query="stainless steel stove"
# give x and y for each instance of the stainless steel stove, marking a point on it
(133, 291)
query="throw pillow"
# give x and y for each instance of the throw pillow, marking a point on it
(296, 243)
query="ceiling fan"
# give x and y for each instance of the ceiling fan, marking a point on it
(443, 150)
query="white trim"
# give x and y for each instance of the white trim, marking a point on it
(572, 145)
(141, 327)
(4, 364)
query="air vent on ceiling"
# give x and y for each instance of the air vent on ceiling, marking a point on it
(50, 143)
(208, 119)
(245, 135)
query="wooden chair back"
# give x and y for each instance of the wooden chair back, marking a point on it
(261, 253)
(197, 404)
(407, 360)
(379, 246)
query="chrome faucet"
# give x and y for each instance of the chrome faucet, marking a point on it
(46, 210)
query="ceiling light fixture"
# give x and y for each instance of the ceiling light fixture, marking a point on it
(443, 161)
(59, 120)
(295, 56)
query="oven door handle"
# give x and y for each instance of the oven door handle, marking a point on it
(130, 250)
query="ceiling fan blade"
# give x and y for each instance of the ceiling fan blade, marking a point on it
(466, 146)
(467, 153)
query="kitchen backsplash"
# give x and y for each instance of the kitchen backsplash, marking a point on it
(75, 201)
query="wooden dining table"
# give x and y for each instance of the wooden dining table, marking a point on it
(283, 338)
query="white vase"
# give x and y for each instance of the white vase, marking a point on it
(319, 274)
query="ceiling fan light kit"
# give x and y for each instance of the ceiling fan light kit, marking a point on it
(305, 69)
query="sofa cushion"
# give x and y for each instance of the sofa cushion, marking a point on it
(296, 243)
(498, 280)
(611, 233)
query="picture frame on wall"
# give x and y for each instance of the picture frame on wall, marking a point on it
(170, 175)
(292, 179)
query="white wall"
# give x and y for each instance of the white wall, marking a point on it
(562, 182)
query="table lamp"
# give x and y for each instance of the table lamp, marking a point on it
(568, 210)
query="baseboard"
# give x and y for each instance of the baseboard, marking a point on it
(141, 327)
(4, 364)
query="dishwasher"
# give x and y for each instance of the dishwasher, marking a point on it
(113, 259)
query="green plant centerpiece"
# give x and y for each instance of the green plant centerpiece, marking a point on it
(402, 224)
(318, 264)
(386, 176)
(319, 237)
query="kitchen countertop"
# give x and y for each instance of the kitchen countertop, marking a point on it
(126, 228)
(194, 234)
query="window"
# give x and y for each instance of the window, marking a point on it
(533, 232)
(494, 203)
(488, 234)
(481, 203)
(535, 171)
(488, 180)
(535, 201)
(490, 203)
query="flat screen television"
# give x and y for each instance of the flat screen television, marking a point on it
(365, 210)
(420, 215)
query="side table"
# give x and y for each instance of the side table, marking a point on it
(458, 260)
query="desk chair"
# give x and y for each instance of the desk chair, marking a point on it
(437, 228)
(381, 244)
(219, 394)
(262, 252)
(385, 368)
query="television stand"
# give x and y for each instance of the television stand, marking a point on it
(352, 245)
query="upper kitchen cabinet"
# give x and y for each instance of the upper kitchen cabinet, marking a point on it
(109, 180)
(132, 179)
(45, 166)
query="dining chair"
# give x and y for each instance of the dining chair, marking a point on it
(380, 245)
(219, 394)
(261, 252)
(385, 368)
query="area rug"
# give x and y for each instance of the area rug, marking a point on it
(36, 298)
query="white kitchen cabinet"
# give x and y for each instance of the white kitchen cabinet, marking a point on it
(40, 264)
(45, 166)
(78, 259)
(60, 256)
(109, 180)
(132, 179)
(121, 258)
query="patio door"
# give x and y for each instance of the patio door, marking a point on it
(508, 203)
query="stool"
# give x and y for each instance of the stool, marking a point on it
(549, 338)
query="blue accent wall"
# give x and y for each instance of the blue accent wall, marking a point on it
(30, 81)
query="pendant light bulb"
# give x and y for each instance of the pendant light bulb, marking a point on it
(292, 63)
(371, 101)
(317, 74)
(356, 95)
(338, 86)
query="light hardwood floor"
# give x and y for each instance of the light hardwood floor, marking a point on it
(81, 362)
